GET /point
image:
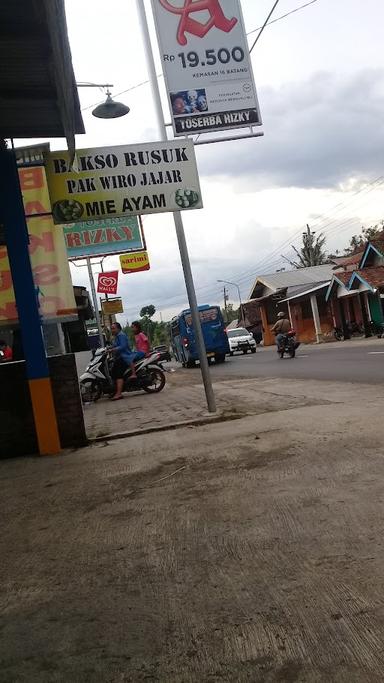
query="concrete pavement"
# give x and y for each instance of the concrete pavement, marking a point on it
(183, 401)
(178, 404)
(247, 551)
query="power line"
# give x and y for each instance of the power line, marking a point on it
(282, 16)
(264, 25)
(249, 33)
(133, 87)
(274, 258)
(329, 228)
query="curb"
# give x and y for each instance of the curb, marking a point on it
(197, 422)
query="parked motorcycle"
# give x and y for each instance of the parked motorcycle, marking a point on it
(354, 330)
(377, 329)
(97, 380)
(288, 345)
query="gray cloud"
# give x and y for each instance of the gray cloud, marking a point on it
(318, 134)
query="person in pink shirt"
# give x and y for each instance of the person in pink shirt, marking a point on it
(141, 340)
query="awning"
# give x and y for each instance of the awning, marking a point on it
(305, 292)
(38, 94)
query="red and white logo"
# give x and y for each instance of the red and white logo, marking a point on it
(107, 282)
(197, 28)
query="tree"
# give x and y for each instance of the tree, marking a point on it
(358, 242)
(230, 314)
(148, 325)
(312, 253)
(148, 311)
(157, 332)
(161, 334)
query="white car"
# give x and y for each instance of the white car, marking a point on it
(241, 340)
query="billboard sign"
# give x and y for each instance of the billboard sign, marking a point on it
(135, 262)
(104, 237)
(128, 180)
(53, 285)
(112, 306)
(107, 282)
(206, 64)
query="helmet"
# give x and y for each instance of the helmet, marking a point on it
(280, 314)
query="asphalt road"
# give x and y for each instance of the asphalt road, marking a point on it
(350, 361)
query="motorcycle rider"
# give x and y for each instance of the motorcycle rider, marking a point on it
(125, 357)
(281, 327)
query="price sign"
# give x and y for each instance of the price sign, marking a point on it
(112, 306)
(206, 65)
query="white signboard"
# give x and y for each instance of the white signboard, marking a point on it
(206, 64)
(123, 181)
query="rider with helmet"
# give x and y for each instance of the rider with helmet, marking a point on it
(281, 327)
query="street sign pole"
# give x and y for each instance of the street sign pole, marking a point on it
(95, 301)
(177, 217)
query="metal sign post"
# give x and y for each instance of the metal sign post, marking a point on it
(95, 301)
(177, 217)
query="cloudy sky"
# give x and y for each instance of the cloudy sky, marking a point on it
(319, 74)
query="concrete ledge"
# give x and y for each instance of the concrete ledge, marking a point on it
(220, 416)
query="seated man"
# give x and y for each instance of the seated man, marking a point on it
(124, 357)
(281, 327)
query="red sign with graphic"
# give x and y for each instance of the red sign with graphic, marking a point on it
(107, 282)
(210, 83)
(197, 28)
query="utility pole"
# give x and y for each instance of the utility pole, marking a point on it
(241, 312)
(225, 304)
(95, 301)
(106, 297)
(188, 278)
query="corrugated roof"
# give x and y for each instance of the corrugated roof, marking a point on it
(298, 292)
(373, 276)
(292, 278)
(38, 94)
(349, 260)
(378, 242)
(344, 277)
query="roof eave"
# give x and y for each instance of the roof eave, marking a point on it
(38, 90)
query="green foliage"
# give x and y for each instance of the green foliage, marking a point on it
(231, 313)
(148, 311)
(312, 252)
(157, 332)
(358, 242)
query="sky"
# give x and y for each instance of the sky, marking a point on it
(319, 75)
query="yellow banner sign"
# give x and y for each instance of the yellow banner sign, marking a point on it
(134, 262)
(123, 181)
(48, 254)
(112, 306)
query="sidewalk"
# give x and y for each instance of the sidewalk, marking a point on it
(180, 403)
(249, 551)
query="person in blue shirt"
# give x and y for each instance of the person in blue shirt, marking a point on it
(124, 357)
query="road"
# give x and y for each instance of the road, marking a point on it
(353, 361)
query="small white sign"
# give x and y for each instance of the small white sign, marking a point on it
(206, 64)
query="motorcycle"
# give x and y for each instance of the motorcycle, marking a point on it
(97, 380)
(377, 329)
(353, 329)
(288, 345)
